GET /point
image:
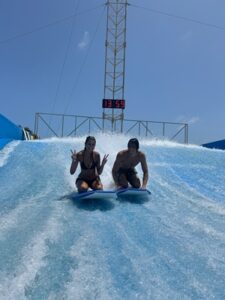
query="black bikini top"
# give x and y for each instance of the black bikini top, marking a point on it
(93, 165)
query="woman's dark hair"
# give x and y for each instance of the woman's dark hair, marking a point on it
(133, 143)
(90, 138)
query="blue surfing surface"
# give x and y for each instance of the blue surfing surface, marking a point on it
(170, 247)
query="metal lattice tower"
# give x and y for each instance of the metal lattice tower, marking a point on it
(115, 47)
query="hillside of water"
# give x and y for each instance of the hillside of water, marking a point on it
(169, 247)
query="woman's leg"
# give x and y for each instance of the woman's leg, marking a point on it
(82, 186)
(97, 185)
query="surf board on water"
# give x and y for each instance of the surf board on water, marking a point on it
(97, 194)
(133, 192)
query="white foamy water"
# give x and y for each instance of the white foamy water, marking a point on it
(5, 152)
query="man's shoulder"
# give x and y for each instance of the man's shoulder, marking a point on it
(141, 154)
(122, 153)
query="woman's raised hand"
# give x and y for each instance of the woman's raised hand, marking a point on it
(73, 155)
(105, 159)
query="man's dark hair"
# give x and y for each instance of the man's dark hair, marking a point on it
(133, 143)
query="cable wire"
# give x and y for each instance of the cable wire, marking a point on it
(159, 12)
(50, 24)
(65, 58)
(83, 63)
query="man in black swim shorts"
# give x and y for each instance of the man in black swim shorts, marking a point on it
(124, 172)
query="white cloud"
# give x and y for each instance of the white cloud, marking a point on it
(193, 120)
(84, 41)
(190, 121)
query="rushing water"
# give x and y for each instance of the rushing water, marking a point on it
(170, 247)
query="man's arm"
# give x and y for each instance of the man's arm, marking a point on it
(116, 167)
(144, 169)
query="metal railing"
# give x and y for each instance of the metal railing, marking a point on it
(60, 125)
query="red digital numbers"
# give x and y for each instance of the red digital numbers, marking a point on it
(111, 103)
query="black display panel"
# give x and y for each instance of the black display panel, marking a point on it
(110, 103)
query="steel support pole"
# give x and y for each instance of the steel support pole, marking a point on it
(115, 46)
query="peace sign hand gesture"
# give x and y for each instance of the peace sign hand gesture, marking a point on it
(105, 159)
(74, 155)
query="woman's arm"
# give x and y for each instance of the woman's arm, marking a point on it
(74, 163)
(104, 161)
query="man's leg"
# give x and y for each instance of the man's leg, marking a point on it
(134, 180)
(122, 181)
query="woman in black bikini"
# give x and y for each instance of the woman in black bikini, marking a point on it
(90, 166)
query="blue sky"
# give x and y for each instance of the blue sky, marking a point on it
(175, 69)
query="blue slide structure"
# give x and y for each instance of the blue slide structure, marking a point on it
(171, 246)
(9, 131)
(215, 145)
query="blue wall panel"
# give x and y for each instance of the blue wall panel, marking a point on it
(216, 145)
(3, 142)
(8, 130)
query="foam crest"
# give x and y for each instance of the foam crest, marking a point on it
(6, 151)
